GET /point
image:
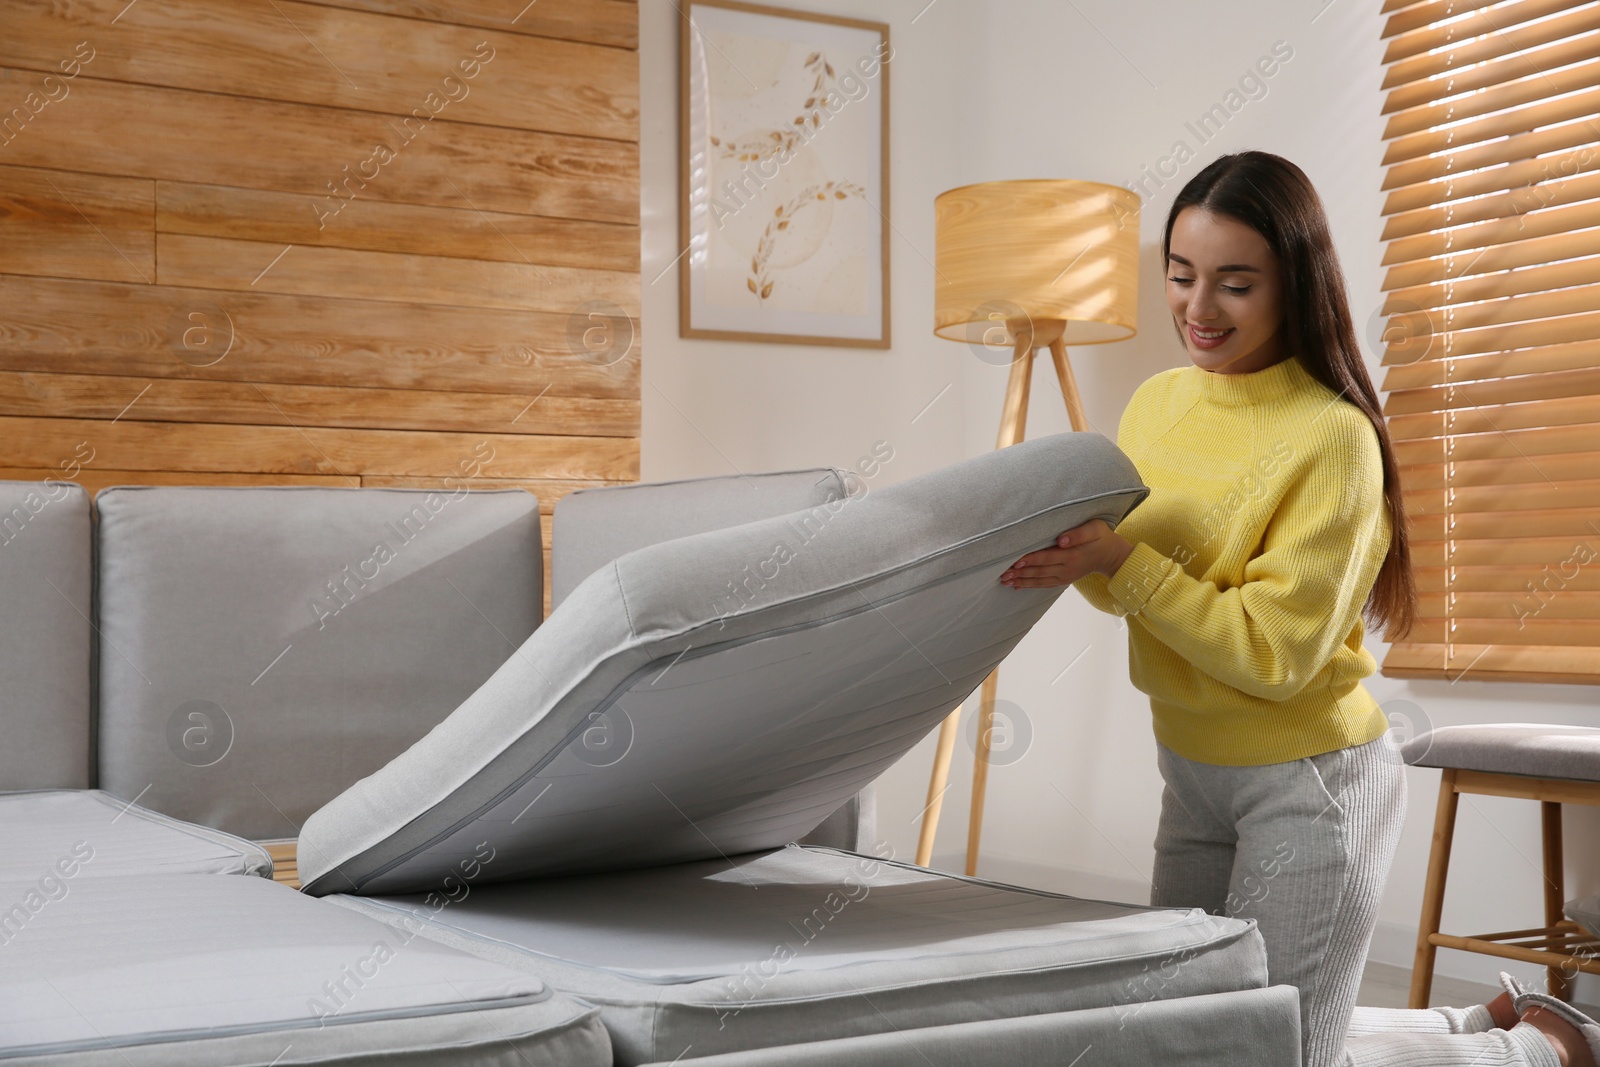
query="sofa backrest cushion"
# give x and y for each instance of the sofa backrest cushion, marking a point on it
(657, 718)
(46, 584)
(264, 647)
(592, 527)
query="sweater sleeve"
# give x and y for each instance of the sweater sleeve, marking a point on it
(1096, 589)
(1302, 592)
(1095, 586)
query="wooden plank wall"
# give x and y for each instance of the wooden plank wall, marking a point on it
(343, 242)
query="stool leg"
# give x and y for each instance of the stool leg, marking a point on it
(1444, 828)
(1554, 889)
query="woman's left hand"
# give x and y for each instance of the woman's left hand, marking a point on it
(1093, 548)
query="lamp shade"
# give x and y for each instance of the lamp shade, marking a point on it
(1020, 252)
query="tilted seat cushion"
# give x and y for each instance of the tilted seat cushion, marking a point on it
(725, 692)
(803, 944)
(592, 527)
(175, 970)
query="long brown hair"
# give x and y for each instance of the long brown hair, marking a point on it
(1274, 197)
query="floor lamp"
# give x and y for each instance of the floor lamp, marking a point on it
(1019, 266)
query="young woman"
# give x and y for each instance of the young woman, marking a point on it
(1274, 524)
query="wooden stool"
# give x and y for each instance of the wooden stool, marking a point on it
(1554, 765)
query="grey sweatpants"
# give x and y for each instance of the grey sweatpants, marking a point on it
(1442, 1037)
(1304, 848)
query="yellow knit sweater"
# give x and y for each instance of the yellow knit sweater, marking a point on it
(1263, 533)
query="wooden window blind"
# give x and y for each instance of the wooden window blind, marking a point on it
(1492, 345)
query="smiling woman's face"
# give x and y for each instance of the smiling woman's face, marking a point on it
(1225, 289)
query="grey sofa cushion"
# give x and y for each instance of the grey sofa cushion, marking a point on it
(803, 944)
(46, 566)
(657, 716)
(1526, 748)
(853, 827)
(263, 648)
(194, 969)
(68, 834)
(1250, 1028)
(592, 527)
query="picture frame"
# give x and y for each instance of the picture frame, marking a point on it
(783, 176)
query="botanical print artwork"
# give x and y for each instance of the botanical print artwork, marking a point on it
(780, 146)
(786, 163)
(773, 224)
(760, 281)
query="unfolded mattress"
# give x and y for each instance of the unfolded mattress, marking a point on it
(725, 692)
(174, 970)
(1250, 1028)
(70, 834)
(804, 944)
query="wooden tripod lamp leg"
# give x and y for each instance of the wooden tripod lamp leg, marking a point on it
(1013, 420)
(1012, 424)
(1011, 431)
(937, 785)
(1069, 385)
(980, 767)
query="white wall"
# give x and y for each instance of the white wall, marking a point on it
(1095, 89)
(716, 407)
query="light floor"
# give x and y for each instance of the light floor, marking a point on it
(1384, 985)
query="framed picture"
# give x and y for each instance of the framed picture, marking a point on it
(784, 176)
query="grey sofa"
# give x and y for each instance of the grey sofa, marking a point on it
(638, 832)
